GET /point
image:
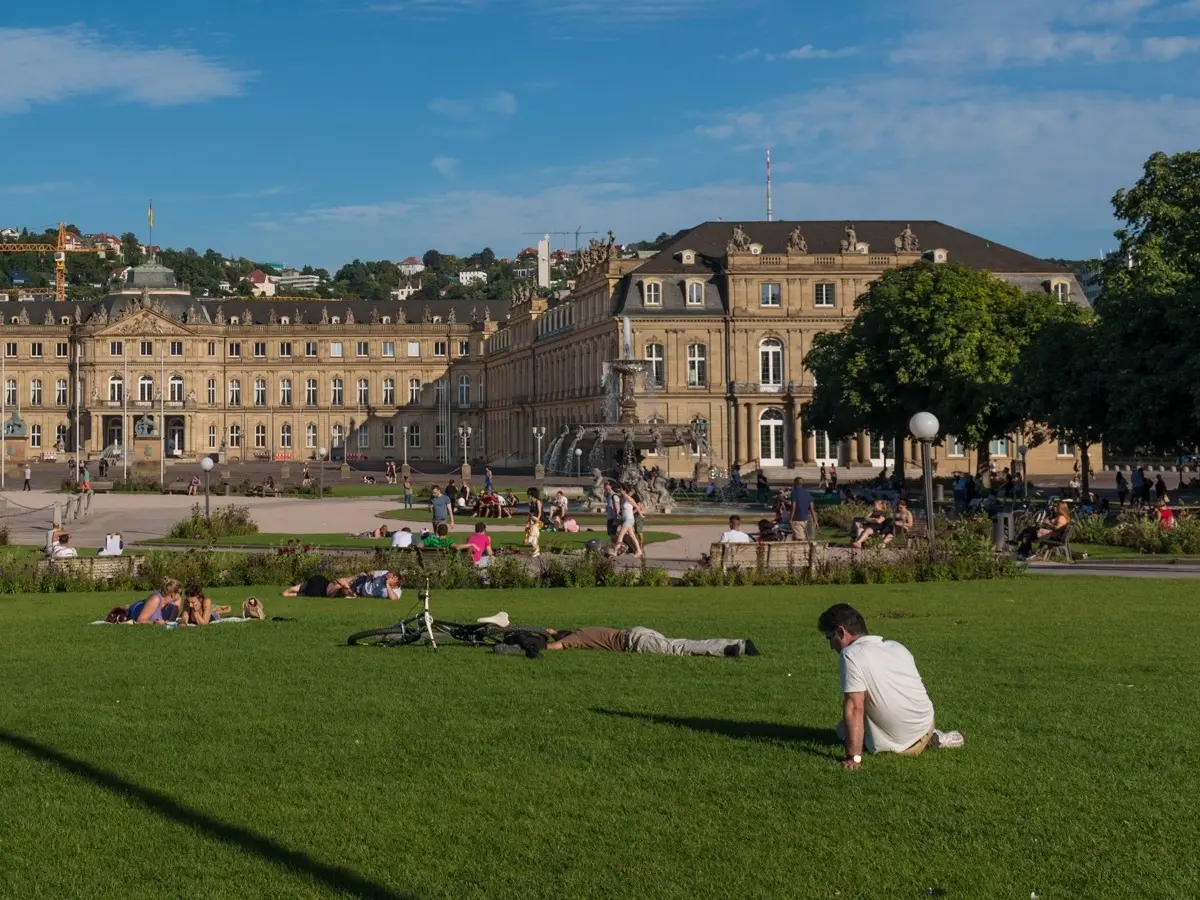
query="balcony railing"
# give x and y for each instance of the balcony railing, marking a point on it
(758, 387)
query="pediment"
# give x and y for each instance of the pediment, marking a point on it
(144, 321)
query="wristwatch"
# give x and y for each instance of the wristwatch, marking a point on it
(857, 758)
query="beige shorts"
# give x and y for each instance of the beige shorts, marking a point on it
(918, 746)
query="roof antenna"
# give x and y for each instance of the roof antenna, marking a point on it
(770, 211)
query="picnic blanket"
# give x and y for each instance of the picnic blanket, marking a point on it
(176, 624)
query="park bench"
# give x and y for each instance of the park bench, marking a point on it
(95, 567)
(262, 491)
(101, 487)
(794, 554)
(178, 487)
(1057, 544)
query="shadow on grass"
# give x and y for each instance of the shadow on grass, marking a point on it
(801, 737)
(335, 877)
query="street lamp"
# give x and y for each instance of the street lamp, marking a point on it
(578, 462)
(539, 432)
(1022, 450)
(321, 465)
(924, 427)
(404, 428)
(464, 434)
(207, 465)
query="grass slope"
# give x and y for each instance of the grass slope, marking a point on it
(269, 760)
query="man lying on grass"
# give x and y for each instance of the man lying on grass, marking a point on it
(884, 703)
(645, 640)
(380, 583)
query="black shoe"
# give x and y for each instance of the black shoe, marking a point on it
(733, 650)
(750, 649)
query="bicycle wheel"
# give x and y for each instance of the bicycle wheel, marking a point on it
(392, 636)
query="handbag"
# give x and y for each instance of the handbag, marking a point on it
(253, 609)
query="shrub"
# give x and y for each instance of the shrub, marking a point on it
(225, 521)
(842, 515)
(136, 484)
(4, 537)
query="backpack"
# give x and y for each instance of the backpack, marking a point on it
(117, 615)
(253, 609)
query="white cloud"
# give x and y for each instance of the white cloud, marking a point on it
(445, 165)
(501, 105)
(1168, 49)
(45, 65)
(753, 53)
(601, 13)
(808, 51)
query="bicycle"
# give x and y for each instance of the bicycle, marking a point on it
(421, 626)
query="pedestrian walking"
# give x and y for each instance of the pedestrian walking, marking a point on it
(28, 475)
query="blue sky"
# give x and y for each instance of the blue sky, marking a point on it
(317, 131)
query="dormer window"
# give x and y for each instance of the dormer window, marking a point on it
(387, 320)
(937, 256)
(335, 320)
(1062, 291)
(652, 293)
(695, 293)
(686, 257)
(234, 320)
(285, 320)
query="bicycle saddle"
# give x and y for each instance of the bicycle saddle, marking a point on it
(500, 620)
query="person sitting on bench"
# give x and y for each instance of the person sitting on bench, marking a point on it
(646, 640)
(1048, 529)
(877, 523)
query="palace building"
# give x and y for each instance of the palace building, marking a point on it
(722, 320)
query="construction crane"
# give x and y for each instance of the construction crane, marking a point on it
(60, 251)
(577, 232)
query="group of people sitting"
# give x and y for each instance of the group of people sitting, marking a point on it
(881, 522)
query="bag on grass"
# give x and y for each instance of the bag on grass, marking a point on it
(117, 615)
(253, 609)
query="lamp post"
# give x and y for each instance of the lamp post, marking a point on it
(578, 461)
(924, 427)
(539, 471)
(207, 465)
(321, 465)
(1022, 450)
(464, 435)
(162, 439)
(404, 428)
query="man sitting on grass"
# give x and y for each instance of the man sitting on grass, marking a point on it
(645, 640)
(884, 703)
(440, 540)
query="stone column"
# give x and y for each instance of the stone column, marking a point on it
(750, 443)
(862, 454)
(810, 448)
(793, 433)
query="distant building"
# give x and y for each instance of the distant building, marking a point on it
(261, 284)
(224, 286)
(525, 272)
(105, 241)
(291, 280)
(404, 291)
(9, 234)
(472, 276)
(18, 278)
(411, 266)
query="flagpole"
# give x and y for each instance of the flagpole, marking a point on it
(162, 418)
(149, 246)
(125, 415)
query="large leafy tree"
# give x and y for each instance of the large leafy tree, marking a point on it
(1150, 310)
(938, 337)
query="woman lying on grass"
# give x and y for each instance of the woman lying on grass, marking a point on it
(161, 606)
(381, 583)
(198, 609)
(380, 532)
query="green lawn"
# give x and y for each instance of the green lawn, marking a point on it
(499, 539)
(269, 760)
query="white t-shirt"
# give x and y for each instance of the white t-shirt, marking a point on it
(59, 551)
(898, 710)
(402, 539)
(735, 537)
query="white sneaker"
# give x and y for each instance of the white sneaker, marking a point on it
(947, 740)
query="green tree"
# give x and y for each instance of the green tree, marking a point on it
(1150, 311)
(131, 251)
(938, 337)
(432, 260)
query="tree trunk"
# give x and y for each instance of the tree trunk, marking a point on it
(1085, 478)
(898, 449)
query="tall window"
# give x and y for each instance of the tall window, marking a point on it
(116, 389)
(260, 349)
(653, 293)
(212, 437)
(338, 435)
(389, 392)
(147, 348)
(260, 392)
(389, 349)
(464, 390)
(177, 348)
(657, 373)
(285, 350)
(414, 436)
(335, 349)
(310, 392)
(770, 362)
(361, 348)
(60, 350)
(414, 390)
(10, 349)
(285, 437)
(235, 392)
(115, 348)
(235, 436)
(364, 437)
(285, 392)
(955, 447)
(212, 351)
(35, 350)
(1062, 292)
(310, 349)
(335, 392)
(464, 348)
(695, 293)
(389, 436)
(10, 392)
(260, 436)
(145, 389)
(212, 391)
(35, 435)
(235, 350)
(998, 447)
(310, 435)
(697, 365)
(176, 388)
(60, 392)
(769, 294)
(60, 435)
(439, 435)
(439, 391)
(824, 294)
(35, 392)
(364, 392)
(439, 348)
(1066, 448)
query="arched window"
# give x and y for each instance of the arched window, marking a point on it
(176, 389)
(364, 392)
(389, 392)
(770, 438)
(235, 394)
(260, 392)
(116, 389)
(145, 389)
(414, 390)
(285, 392)
(310, 436)
(285, 437)
(770, 363)
(35, 392)
(697, 365)
(235, 436)
(464, 390)
(260, 436)
(61, 392)
(656, 373)
(699, 427)
(338, 435)
(335, 393)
